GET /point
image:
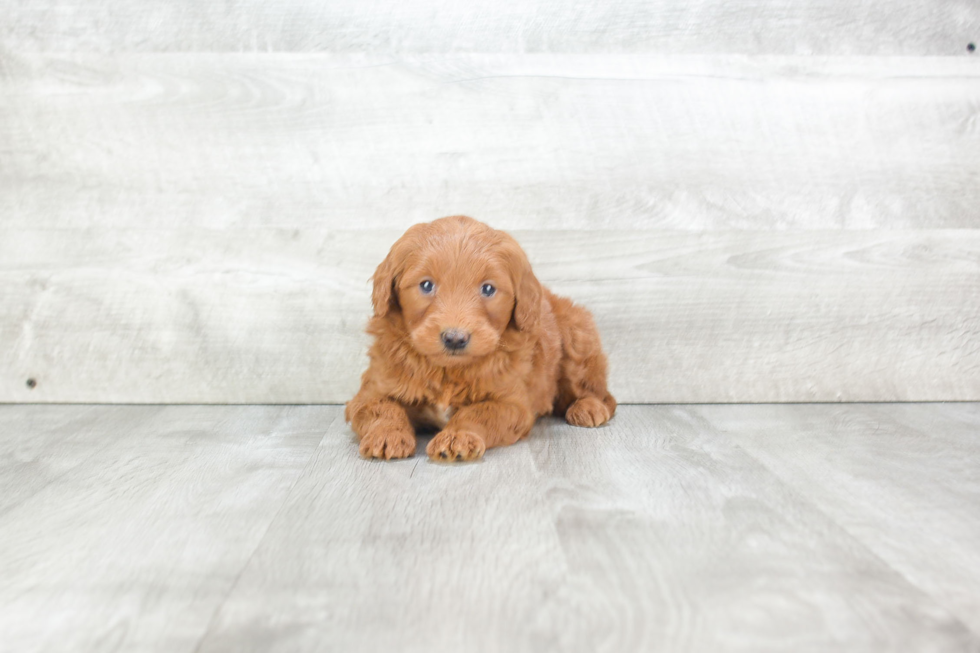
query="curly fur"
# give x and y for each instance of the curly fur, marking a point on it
(529, 353)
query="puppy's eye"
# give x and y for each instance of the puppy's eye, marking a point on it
(487, 290)
(427, 287)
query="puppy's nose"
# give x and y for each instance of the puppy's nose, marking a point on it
(454, 339)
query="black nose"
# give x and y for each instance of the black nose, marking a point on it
(454, 339)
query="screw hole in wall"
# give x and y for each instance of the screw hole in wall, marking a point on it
(971, 47)
(31, 383)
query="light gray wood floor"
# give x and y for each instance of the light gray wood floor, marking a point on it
(687, 528)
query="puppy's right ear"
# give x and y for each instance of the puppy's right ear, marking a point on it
(385, 296)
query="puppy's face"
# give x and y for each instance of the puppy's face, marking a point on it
(458, 285)
(456, 302)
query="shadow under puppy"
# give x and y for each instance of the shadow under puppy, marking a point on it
(467, 341)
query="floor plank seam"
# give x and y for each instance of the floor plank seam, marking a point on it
(6, 510)
(861, 543)
(248, 561)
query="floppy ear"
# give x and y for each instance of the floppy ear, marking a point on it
(383, 296)
(527, 289)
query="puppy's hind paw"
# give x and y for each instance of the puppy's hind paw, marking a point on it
(587, 411)
(451, 444)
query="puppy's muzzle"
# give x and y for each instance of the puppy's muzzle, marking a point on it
(455, 339)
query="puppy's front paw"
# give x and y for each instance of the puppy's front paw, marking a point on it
(452, 444)
(587, 411)
(388, 445)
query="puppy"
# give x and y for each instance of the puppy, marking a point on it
(466, 341)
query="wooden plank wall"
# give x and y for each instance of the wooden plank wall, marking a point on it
(768, 201)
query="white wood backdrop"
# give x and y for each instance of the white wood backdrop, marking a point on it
(766, 201)
(837, 27)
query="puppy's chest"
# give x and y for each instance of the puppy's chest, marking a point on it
(435, 415)
(440, 405)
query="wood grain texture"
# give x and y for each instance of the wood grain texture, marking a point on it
(134, 546)
(271, 315)
(754, 26)
(540, 141)
(258, 528)
(648, 535)
(677, 539)
(40, 446)
(902, 479)
(199, 227)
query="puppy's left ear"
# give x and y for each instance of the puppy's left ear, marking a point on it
(527, 289)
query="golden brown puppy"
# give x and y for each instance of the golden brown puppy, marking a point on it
(467, 341)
